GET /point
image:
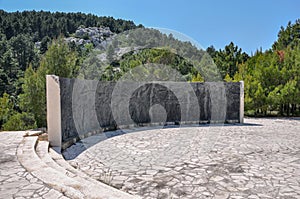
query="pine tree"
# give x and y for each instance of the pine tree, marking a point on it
(59, 60)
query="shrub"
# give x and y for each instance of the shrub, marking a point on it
(20, 121)
(6, 108)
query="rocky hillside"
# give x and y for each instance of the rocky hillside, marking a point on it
(100, 37)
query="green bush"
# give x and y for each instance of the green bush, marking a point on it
(20, 121)
(6, 109)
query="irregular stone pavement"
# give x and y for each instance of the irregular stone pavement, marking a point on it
(15, 181)
(260, 159)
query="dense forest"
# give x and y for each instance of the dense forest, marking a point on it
(272, 78)
(20, 57)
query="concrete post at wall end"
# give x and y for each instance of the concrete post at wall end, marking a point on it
(53, 110)
(242, 101)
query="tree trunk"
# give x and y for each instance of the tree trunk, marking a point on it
(281, 110)
(293, 109)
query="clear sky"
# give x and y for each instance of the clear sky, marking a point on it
(249, 24)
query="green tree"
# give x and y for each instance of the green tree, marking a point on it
(6, 109)
(58, 60)
(23, 50)
(10, 72)
(20, 121)
(211, 51)
(228, 59)
(44, 44)
(33, 99)
(289, 36)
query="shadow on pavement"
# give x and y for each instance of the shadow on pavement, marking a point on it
(76, 149)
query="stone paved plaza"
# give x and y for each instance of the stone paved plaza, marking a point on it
(260, 159)
(15, 180)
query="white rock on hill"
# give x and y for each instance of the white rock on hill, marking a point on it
(98, 36)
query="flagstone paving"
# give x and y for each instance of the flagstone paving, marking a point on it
(15, 181)
(260, 159)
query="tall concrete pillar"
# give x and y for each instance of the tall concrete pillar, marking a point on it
(53, 111)
(241, 102)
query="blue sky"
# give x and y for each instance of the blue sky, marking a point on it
(249, 24)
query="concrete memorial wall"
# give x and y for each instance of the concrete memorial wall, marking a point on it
(79, 108)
